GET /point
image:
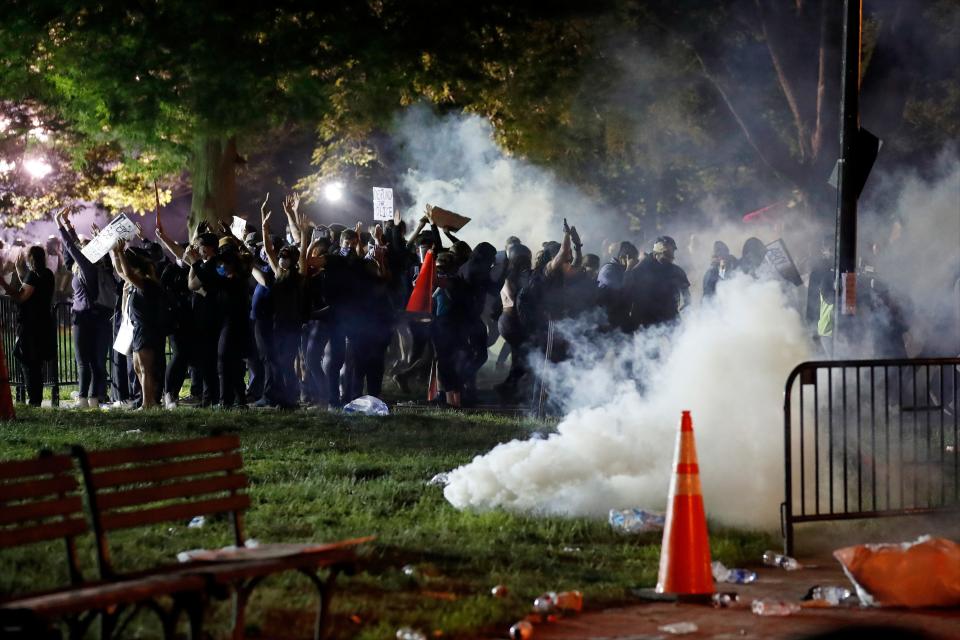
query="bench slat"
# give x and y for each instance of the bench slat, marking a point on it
(166, 471)
(102, 595)
(153, 452)
(144, 495)
(184, 511)
(37, 488)
(37, 466)
(38, 533)
(40, 509)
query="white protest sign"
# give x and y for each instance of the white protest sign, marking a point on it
(382, 203)
(239, 227)
(120, 228)
(778, 257)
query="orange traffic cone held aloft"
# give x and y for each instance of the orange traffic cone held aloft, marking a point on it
(685, 554)
(6, 399)
(421, 300)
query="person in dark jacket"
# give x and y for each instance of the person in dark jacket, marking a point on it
(610, 285)
(657, 289)
(94, 298)
(36, 330)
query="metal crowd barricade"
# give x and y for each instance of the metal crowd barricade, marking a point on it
(868, 439)
(58, 372)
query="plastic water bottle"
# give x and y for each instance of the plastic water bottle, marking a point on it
(774, 559)
(733, 576)
(523, 630)
(635, 520)
(770, 607)
(408, 633)
(545, 602)
(724, 600)
(831, 595)
(679, 628)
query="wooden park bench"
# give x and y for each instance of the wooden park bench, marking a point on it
(39, 502)
(177, 481)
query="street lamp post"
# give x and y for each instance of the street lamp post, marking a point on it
(848, 190)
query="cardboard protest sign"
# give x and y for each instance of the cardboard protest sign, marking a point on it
(238, 227)
(779, 258)
(120, 228)
(448, 219)
(382, 204)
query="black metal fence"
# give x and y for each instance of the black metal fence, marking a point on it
(58, 372)
(870, 438)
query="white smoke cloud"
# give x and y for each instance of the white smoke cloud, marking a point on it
(726, 363)
(922, 265)
(455, 163)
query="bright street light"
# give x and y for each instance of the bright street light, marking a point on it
(333, 191)
(37, 167)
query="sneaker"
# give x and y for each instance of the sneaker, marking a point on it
(93, 403)
(81, 403)
(169, 402)
(120, 405)
(190, 401)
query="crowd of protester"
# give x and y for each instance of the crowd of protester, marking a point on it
(318, 316)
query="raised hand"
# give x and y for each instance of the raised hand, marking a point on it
(264, 213)
(378, 235)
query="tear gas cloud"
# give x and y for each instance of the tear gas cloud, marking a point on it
(727, 363)
(614, 448)
(921, 266)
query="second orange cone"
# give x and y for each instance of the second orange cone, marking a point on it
(421, 300)
(685, 554)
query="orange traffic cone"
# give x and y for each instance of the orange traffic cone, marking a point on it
(421, 300)
(685, 554)
(6, 400)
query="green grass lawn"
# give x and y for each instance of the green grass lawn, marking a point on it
(327, 476)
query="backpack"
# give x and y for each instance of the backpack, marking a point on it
(106, 288)
(530, 301)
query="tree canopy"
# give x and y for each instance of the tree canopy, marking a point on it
(650, 106)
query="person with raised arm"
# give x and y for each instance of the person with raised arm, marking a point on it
(143, 299)
(286, 285)
(94, 299)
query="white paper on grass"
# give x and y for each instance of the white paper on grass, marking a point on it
(239, 227)
(382, 203)
(120, 228)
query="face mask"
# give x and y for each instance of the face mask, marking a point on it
(285, 263)
(222, 270)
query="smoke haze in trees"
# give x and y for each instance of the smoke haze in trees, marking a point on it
(455, 163)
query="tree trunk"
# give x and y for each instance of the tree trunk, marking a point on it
(214, 178)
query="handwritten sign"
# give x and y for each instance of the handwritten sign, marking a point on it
(239, 227)
(120, 228)
(382, 203)
(779, 258)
